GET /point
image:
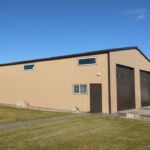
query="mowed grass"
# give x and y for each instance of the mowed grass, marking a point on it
(93, 132)
(12, 114)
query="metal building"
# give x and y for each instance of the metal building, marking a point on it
(99, 81)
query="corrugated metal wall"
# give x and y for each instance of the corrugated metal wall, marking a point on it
(131, 58)
(49, 85)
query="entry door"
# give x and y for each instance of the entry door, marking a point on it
(125, 88)
(145, 88)
(95, 98)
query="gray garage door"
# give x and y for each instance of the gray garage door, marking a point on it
(145, 88)
(125, 88)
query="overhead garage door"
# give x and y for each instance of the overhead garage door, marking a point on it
(125, 88)
(145, 88)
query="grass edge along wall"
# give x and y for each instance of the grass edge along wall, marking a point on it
(49, 83)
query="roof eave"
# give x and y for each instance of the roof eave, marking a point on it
(76, 55)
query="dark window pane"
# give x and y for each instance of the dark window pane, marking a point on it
(28, 67)
(83, 89)
(76, 88)
(87, 61)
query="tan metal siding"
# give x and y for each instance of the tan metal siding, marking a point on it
(49, 85)
(131, 58)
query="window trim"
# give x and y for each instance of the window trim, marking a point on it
(29, 69)
(87, 58)
(79, 89)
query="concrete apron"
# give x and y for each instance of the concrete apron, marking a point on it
(142, 113)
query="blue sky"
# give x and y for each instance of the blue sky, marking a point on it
(43, 28)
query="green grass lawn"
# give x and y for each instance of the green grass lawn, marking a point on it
(11, 114)
(93, 132)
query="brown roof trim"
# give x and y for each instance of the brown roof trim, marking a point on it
(76, 55)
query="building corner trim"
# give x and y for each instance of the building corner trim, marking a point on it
(109, 83)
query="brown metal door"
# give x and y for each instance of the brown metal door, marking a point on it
(95, 98)
(125, 88)
(145, 88)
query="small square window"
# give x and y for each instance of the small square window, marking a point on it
(79, 88)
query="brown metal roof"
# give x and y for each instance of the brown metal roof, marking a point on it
(77, 55)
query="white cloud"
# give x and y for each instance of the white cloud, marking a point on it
(140, 17)
(139, 14)
(136, 11)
